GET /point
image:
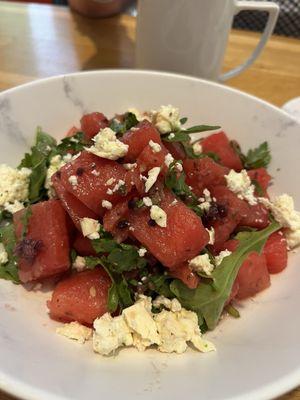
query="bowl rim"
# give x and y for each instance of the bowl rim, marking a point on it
(24, 390)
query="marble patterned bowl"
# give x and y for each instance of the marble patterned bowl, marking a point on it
(258, 355)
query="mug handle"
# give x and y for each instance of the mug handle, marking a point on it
(273, 11)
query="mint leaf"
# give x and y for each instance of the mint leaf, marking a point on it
(175, 181)
(258, 157)
(37, 161)
(9, 270)
(176, 137)
(113, 298)
(129, 121)
(200, 128)
(208, 298)
(71, 144)
(183, 120)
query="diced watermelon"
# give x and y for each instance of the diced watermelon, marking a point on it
(92, 123)
(182, 239)
(93, 173)
(262, 177)
(83, 246)
(219, 144)
(253, 275)
(176, 150)
(257, 217)
(138, 137)
(204, 173)
(45, 250)
(149, 159)
(276, 253)
(133, 177)
(116, 222)
(186, 275)
(74, 207)
(235, 209)
(81, 297)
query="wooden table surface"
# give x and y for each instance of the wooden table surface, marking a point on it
(38, 41)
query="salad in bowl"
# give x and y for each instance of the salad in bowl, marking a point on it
(149, 231)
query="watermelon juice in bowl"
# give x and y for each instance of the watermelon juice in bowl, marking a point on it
(151, 229)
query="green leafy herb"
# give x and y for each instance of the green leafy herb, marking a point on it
(189, 151)
(258, 157)
(37, 161)
(5, 216)
(9, 270)
(113, 298)
(232, 311)
(176, 137)
(209, 298)
(175, 181)
(129, 122)
(160, 283)
(25, 221)
(183, 120)
(200, 128)
(258, 188)
(72, 144)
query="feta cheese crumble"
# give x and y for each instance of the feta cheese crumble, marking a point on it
(110, 181)
(240, 184)
(169, 304)
(137, 326)
(166, 119)
(156, 148)
(142, 251)
(107, 145)
(205, 201)
(202, 264)
(75, 331)
(220, 257)
(283, 210)
(152, 178)
(169, 159)
(197, 148)
(79, 264)
(159, 216)
(211, 233)
(14, 184)
(147, 201)
(3, 254)
(73, 180)
(106, 204)
(90, 228)
(130, 167)
(13, 207)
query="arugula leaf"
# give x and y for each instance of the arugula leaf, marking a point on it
(125, 258)
(9, 270)
(25, 221)
(200, 128)
(37, 161)
(129, 122)
(72, 144)
(258, 157)
(160, 284)
(209, 297)
(232, 311)
(183, 120)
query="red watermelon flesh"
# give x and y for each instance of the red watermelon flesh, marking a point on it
(83, 246)
(45, 251)
(92, 123)
(276, 252)
(82, 297)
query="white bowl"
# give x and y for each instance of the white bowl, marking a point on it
(258, 355)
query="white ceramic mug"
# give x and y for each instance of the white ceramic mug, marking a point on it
(190, 36)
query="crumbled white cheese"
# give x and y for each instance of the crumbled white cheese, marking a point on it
(169, 304)
(3, 254)
(129, 167)
(169, 159)
(171, 136)
(152, 178)
(211, 233)
(142, 251)
(109, 192)
(220, 257)
(73, 180)
(175, 201)
(240, 184)
(283, 210)
(167, 119)
(13, 207)
(107, 145)
(139, 116)
(202, 264)
(170, 329)
(147, 201)
(90, 228)
(176, 329)
(205, 202)
(56, 163)
(95, 172)
(197, 148)
(158, 215)
(118, 185)
(110, 334)
(79, 264)
(110, 181)
(106, 204)
(156, 148)
(75, 331)
(14, 184)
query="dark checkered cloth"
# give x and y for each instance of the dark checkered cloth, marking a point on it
(288, 23)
